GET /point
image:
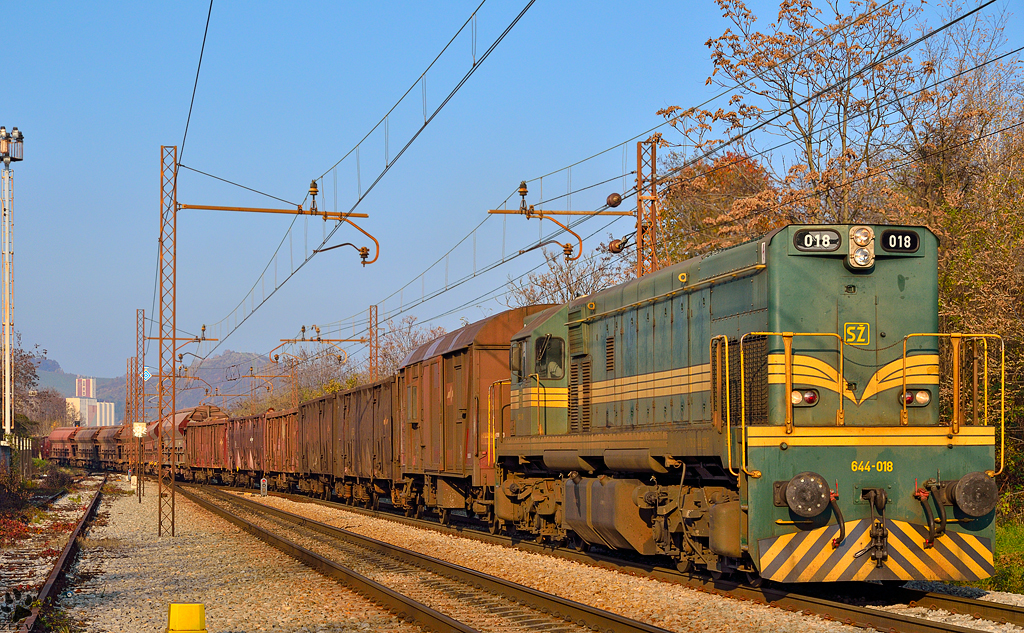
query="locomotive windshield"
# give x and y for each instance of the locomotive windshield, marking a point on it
(515, 360)
(549, 357)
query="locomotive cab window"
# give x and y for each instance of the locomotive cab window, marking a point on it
(515, 360)
(550, 353)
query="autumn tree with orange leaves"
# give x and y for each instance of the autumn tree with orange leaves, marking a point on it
(849, 111)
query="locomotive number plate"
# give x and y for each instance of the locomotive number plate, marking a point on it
(900, 241)
(817, 240)
(871, 467)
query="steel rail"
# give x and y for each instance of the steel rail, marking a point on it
(554, 606)
(67, 556)
(978, 609)
(404, 607)
(794, 600)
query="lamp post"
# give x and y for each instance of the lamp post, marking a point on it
(10, 152)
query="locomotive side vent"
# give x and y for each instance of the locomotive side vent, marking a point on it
(609, 354)
(575, 340)
(579, 395)
(574, 396)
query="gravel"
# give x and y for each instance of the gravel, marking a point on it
(126, 577)
(477, 608)
(28, 562)
(661, 604)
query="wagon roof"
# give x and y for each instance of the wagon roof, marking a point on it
(108, 433)
(86, 434)
(63, 433)
(192, 415)
(491, 330)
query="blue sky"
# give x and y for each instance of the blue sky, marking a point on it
(286, 90)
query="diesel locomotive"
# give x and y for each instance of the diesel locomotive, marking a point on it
(785, 408)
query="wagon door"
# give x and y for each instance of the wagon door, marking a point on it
(455, 411)
(383, 430)
(433, 416)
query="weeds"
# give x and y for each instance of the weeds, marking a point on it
(12, 530)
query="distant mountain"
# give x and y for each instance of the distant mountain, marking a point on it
(220, 371)
(48, 364)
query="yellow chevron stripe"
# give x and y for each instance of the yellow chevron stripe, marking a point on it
(946, 562)
(978, 546)
(922, 369)
(845, 561)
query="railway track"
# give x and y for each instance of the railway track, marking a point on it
(418, 588)
(57, 574)
(819, 603)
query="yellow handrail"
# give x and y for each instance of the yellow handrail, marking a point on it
(492, 441)
(541, 430)
(955, 338)
(728, 404)
(787, 338)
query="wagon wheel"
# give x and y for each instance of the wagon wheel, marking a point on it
(444, 515)
(494, 525)
(375, 503)
(419, 511)
(410, 510)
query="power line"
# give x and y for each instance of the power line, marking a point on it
(225, 180)
(413, 85)
(427, 120)
(202, 49)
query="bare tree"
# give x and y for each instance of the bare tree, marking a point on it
(564, 280)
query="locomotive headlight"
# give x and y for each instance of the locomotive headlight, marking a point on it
(806, 397)
(919, 398)
(862, 247)
(861, 236)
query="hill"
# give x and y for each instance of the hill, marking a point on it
(217, 370)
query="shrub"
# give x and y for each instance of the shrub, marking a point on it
(13, 494)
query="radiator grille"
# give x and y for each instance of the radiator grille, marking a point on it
(755, 373)
(579, 395)
(609, 354)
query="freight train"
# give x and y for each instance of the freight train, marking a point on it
(775, 409)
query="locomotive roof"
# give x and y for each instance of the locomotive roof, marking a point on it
(466, 336)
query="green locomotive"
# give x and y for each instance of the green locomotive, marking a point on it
(772, 408)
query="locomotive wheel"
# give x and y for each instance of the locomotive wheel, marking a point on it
(684, 565)
(444, 515)
(494, 525)
(410, 511)
(753, 579)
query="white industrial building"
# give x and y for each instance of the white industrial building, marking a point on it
(90, 412)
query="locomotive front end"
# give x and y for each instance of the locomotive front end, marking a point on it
(866, 438)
